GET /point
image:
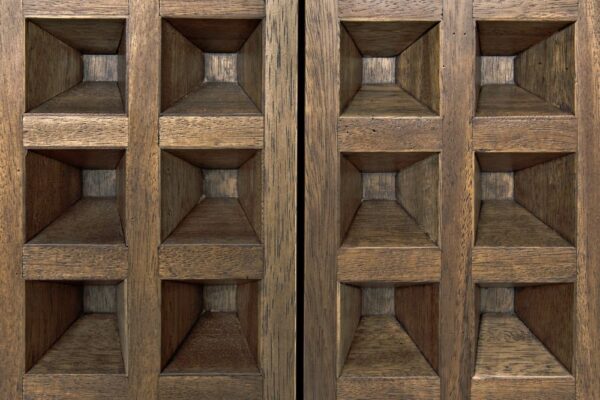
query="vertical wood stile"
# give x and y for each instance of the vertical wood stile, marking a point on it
(457, 336)
(143, 202)
(321, 175)
(587, 320)
(12, 286)
(278, 321)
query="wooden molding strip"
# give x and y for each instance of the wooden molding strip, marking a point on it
(70, 262)
(384, 264)
(75, 387)
(525, 10)
(538, 134)
(389, 134)
(417, 388)
(211, 262)
(212, 132)
(524, 264)
(213, 8)
(97, 8)
(241, 387)
(59, 131)
(500, 388)
(423, 10)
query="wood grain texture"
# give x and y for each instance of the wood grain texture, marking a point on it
(220, 67)
(321, 231)
(508, 349)
(385, 100)
(181, 189)
(378, 70)
(50, 309)
(32, 8)
(220, 183)
(508, 37)
(215, 99)
(512, 100)
(143, 199)
(384, 223)
(250, 189)
(389, 264)
(457, 297)
(548, 134)
(351, 68)
(51, 187)
(385, 38)
(549, 192)
(350, 194)
(379, 186)
(497, 300)
(215, 158)
(85, 98)
(496, 185)
(385, 161)
(250, 72)
(417, 310)
(247, 296)
(535, 388)
(75, 387)
(87, 35)
(211, 261)
(93, 220)
(180, 308)
(417, 388)
(349, 311)
(277, 310)
(182, 66)
(504, 223)
(497, 70)
(359, 134)
(216, 35)
(100, 67)
(71, 262)
(123, 318)
(213, 8)
(212, 132)
(99, 298)
(215, 345)
(85, 158)
(101, 131)
(587, 336)
(525, 10)
(509, 162)
(548, 69)
(12, 179)
(522, 265)
(90, 346)
(548, 312)
(48, 57)
(381, 347)
(417, 190)
(206, 387)
(418, 69)
(377, 300)
(427, 10)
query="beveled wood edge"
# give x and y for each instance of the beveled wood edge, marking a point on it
(51, 262)
(85, 131)
(228, 9)
(373, 264)
(364, 388)
(225, 262)
(389, 134)
(525, 134)
(211, 132)
(42, 385)
(525, 12)
(516, 265)
(484, 386)
(50, 10)
(378, 11)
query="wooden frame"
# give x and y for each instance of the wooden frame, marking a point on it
(101, 280)
(497, 146)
